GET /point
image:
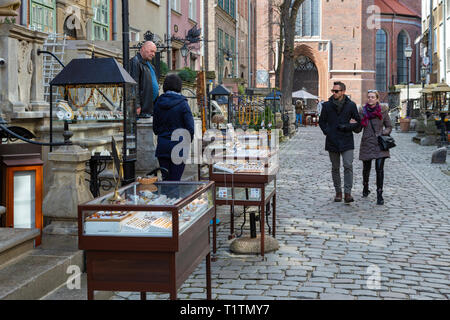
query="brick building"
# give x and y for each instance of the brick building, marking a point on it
(336, 41)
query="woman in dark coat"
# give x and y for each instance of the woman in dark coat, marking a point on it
(375, 122)
(172, 112)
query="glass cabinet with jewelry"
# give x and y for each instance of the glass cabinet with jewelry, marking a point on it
(147, 237)
(141, 210)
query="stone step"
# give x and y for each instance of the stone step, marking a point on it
(42, 270)
(77, 293)
(15, 242)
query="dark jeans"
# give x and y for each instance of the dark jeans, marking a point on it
(174, 171)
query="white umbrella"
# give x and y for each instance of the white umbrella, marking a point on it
(302, 94)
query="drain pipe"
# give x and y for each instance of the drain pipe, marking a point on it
(169, 35)
(114, 20)
(24, 13)
(444, 54)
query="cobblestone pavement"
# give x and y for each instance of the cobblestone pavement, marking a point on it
(332, 250)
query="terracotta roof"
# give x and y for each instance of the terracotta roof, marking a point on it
(395, 7)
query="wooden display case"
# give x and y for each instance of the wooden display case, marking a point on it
(235, 186)
(151, 240)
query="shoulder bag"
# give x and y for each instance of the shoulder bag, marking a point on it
(385, 142)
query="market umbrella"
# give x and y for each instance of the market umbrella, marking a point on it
(302, 94)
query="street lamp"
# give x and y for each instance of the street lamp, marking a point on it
(408, 53)
(184, 52)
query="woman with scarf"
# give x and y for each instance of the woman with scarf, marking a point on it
(375, 122)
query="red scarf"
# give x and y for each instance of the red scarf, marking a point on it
(370, 112)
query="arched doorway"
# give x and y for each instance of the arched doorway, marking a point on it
(306, 77)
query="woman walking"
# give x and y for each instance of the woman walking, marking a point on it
(375, 122)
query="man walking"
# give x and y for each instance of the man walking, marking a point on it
(298, 113)
(338, 119)
(144, 74)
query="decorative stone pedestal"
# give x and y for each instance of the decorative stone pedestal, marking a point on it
(146, 160)
(439, 155)
(69, 189)
(247, 245)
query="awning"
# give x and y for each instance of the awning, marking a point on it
(89, 72)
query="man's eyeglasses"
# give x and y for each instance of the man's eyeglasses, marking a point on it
(336, 91)
(372, 91)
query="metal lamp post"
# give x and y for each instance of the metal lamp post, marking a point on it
(408, 53)
(184, 52)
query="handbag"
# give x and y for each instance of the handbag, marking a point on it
(384, 142)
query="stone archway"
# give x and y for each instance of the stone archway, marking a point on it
(313, 57)
(306, 76)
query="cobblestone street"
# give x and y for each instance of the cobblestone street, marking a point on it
(332, 250)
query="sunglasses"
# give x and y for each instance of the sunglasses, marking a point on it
(336, 91)
(372, 91)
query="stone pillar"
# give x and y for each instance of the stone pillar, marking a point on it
(21, 81)
(69, 189)
(146, 160)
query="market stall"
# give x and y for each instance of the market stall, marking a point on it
(147, 237)
(244, 172)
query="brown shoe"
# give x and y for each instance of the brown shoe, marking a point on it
(348, 198)
(338, 197)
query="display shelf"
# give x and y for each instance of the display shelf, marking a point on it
(157, 232)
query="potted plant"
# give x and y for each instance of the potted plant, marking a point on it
(404, 124)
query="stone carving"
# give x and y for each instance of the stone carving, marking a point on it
(9, 7)
(24, 72)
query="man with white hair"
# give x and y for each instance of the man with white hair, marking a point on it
(144, 74)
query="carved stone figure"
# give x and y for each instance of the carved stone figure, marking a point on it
(25, 72)
(9, 7)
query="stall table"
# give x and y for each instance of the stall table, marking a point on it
(151, 241)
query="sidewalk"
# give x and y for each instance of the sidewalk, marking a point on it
(332, 250)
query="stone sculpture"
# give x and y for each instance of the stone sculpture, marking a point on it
(9, 7)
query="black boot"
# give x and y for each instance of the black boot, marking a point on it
(366, 174)
(379, 166)
(380, 200)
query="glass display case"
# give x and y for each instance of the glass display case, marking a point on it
(147, 210)
(157, 233)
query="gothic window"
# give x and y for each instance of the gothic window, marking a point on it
(381, 60)
(308, 19)
(303, 63)
(101, 19)
(402, 67)
(43, 15)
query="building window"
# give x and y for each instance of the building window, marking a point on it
(232, 47)
(229, 6)
(381, 60)
(220, 55)
(43, 15)
(308, 19)
(402, 64)
(176, 5)
(193, 10)
(100, 20)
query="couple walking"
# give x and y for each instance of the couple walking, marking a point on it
(338, 120)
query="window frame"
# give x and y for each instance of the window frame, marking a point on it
(310, 9)
(101, 24)
(381, 86)
(42, 4)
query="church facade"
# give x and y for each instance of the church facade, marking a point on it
(339, 40)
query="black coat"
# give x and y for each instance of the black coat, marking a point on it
(337, 127)
(172, 112)
(142, 75)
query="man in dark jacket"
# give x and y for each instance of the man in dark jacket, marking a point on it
(172, 112)
(338, 119)
(144, 74)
